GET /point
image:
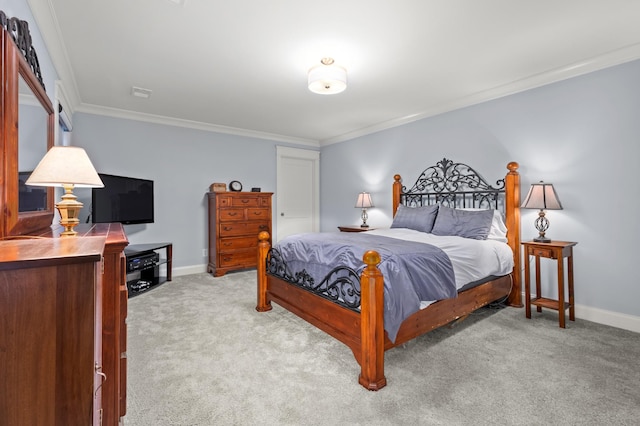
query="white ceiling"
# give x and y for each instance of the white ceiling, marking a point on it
(240, 66)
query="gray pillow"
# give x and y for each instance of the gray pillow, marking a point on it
(463, 223)
(417, 218)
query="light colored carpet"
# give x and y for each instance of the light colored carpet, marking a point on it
(199, 354)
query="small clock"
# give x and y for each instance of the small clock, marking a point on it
(235, 185)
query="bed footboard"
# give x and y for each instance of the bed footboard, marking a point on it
(362, 332)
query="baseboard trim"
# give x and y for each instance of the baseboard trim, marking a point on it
(189, 270)
(601, 316)
(193, 269)
(614, 319)
(588, 313)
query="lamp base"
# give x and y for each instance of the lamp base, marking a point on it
(364, 216)
(69, 210)
(542, 240)
(542, 224)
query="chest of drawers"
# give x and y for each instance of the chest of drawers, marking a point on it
(235, 220)
(50, 345)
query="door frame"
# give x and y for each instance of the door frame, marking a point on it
(303, 154)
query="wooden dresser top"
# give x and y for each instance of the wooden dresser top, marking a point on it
(42, 251)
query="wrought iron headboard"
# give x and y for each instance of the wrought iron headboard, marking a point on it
(454, 185)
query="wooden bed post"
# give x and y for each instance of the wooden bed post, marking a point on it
(397, 190)
(372, 324)
(512, 218)
(263, 248)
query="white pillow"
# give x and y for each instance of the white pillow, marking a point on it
(498, 230)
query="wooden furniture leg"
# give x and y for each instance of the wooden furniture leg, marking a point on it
(561, 315)
(527, 286)
(372, 324)
(538, 290)
(512, 220)
(264, 304)
(572, 310)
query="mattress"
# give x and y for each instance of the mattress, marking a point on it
(414, 264)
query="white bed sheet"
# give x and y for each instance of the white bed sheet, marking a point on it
(472, 260)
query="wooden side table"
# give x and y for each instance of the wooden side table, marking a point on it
(554, 250)
(354, 228)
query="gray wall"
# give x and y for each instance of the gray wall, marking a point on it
(182, 163)
(582, 135)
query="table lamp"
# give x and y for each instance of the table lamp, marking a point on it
(542, 196)
(364, 202)
(66, 166)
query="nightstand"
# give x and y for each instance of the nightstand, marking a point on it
(554, 250)
(354, 228)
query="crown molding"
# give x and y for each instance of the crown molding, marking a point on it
(610, 59)
(177, 122)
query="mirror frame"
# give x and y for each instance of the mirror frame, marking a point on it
(14, 65)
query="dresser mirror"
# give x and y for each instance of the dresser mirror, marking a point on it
(32, 128)
(26, 134)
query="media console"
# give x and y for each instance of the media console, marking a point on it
(148, 265)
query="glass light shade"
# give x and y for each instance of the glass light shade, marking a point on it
(327, 79)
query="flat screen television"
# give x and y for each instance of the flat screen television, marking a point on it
(30, 198)
(123, 199)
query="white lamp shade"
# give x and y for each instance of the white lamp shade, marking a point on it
(364, 201)
(65, 165)
(542, 196)
(327, 79)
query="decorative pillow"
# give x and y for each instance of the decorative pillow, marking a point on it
(417, 218)
(498, 230)
(463, 223)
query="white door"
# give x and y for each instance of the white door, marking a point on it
(298, 191)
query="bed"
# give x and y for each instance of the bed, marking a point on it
(348, 303)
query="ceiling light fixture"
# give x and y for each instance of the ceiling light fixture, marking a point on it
(327, 78)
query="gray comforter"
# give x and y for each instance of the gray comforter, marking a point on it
(412, 271)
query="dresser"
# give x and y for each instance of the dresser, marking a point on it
(113, 306)
(50, 331)
(235, 220)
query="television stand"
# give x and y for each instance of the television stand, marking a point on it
(148, 266)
